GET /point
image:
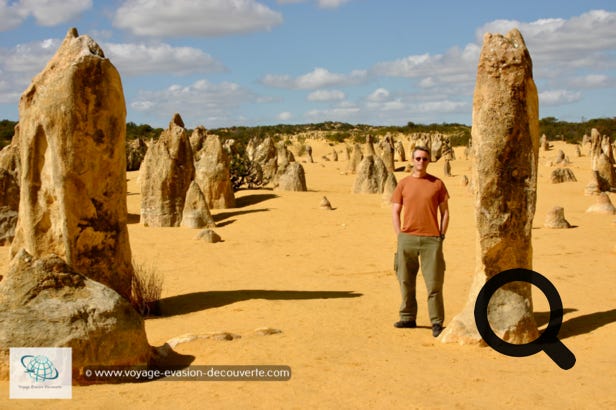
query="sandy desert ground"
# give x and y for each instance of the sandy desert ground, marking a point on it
(325, 280)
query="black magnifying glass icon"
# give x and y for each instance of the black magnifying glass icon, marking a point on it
(548, 340)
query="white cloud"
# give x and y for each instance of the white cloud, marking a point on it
(326, 95)
(285, 116)
(427, 82)
(395, 105)
(585, 40)
(454, 65)
(11, 15)
(8, 93)
(197, 103)
(30, 58)
(558, 97)
(194, 18)
(324, 4)
(380, 94)
(444, 106)
(331, 4)
(45, 12)
(317, 78)
(593, 81)
(341, 113)
(576, 53)
(448, 77)
(137, 59)
(20, 64)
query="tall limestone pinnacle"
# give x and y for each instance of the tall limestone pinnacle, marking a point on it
(69, 281)
(72, 125)
(505, 140)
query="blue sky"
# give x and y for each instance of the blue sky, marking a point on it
(255, 62)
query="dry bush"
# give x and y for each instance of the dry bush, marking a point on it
(147, 286)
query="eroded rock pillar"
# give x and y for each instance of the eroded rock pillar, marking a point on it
(505, 140)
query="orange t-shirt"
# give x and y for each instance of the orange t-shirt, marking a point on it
(420, 198)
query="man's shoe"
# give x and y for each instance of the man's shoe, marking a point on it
(405, 324)
(436, 330)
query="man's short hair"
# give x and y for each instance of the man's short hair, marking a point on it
(424, 149)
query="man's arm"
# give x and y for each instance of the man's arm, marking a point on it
(395, 216)
(444, 210)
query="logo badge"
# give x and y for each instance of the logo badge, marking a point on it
(40, 373)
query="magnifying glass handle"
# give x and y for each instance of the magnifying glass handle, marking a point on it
(558, 352)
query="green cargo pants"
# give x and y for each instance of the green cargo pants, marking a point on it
(427, 250)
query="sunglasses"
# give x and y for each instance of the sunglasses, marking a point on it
(424, 159)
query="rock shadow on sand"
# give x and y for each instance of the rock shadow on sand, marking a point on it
(194, 302)
(253, 199)
(578, 325)
(587, 323)
(220, 218)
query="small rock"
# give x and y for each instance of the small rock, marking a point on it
(266, 331)
(325, 204)
(209, 235)
(555, 219)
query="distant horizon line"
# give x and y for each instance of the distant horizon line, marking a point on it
(358, 124)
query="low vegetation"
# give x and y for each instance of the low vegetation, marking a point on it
(147, 287)
(554, 129)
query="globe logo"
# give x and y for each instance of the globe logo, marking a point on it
(39, 368)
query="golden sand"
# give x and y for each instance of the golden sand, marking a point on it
(325, 280)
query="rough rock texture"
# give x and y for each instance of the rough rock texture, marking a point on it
(265, 154)
(196, 213)
(9, 206)
(356, 157)
(447, 151)
(543, 142)
(560, 157)
(436, 149)
(43, 302)
(283, 158)
(325, 204)
(9, 191)
(387, 156)
(447, 168)
(209, 236)
(292, 178)
(135, 152)
(561, 175)
(72, 124)
(603, 205)
(309, 153)
(371, 176)
(578, 151)
(165, 175)
(334, 154)
(606, 173)
(602, 160)
(595, 185)
(388, 188)
(370, 145)
(212, 173)
(464, 180)
(197, 139)
(400, 151)
(555, 219)
(505, 140)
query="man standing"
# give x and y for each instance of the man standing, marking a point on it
(420, 239)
